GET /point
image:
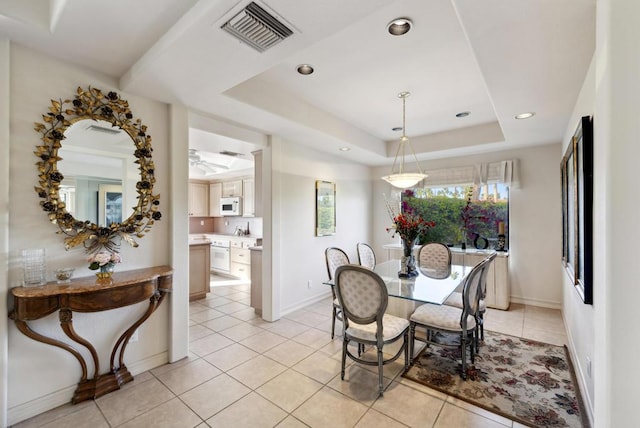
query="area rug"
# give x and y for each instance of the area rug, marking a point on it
(527, 381)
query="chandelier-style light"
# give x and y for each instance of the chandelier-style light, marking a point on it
(402, 179)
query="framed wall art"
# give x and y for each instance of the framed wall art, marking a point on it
(325, 208)
(577, 209)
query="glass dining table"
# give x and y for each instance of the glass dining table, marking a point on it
(430, 286)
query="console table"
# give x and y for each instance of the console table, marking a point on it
(89, 295)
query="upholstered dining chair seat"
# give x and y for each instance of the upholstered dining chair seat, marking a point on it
(455, 300)
(393, 327)
(441, 316)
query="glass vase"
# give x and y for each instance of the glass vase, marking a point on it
(408, 261)
(105, 272)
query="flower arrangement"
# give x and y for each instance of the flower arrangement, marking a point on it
(408, 224)
(104, 260)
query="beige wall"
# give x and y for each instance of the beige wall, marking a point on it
(38, 371)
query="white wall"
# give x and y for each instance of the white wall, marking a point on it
(299, 254)
(38, 371)
(535, 220)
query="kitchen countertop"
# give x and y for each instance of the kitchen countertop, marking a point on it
(199, 241)
(197, 236)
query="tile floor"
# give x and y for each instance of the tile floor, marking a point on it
(245, 372)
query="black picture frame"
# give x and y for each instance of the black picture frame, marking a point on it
(577, 209)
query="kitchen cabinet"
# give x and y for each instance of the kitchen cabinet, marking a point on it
(248, 209)
(241, 258)
(199, 265)
(198, 199)
(231, 188)
(498, 286)
(215, 193)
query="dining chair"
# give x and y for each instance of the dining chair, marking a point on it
(434, 260)
(443, 323)
(363, 297)
(335, 257)
(455, 299)
(366, 256)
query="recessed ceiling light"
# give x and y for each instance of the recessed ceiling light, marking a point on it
(344, 149)
(399, 26)
(304, 69)
(463, 114)
(397, 128)
(525, 115)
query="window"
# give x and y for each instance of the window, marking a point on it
(472, 210)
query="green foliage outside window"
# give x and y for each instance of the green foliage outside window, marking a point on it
(446, 206)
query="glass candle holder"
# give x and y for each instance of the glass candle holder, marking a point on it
(63, 276)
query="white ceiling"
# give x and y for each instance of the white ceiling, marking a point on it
(494, 58)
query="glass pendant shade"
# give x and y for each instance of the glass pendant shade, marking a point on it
(401, 179)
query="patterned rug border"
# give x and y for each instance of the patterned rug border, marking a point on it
(583, 414)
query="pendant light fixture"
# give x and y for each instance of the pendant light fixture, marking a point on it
(402, 179)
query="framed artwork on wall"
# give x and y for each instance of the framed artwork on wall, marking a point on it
(577, 209)
(325, 208)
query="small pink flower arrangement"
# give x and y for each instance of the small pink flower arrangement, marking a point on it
(103, 260)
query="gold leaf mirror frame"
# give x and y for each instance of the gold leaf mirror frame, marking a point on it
(93, 104)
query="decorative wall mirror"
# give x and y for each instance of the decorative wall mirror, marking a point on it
(87, 195)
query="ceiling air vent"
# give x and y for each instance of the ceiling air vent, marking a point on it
(256, 27)
(103, 129)
(230, 153)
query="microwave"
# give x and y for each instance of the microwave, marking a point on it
(231, 206)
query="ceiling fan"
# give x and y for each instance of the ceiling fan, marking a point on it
(207, 167)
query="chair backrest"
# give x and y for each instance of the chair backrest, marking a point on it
(471, 293)
(362, 295)
(366, 256)
(483, 276)
(335, 257)
(434, 256)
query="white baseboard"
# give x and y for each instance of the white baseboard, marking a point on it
(306, 302)
(63, 396)
(579, 372)
(536, 302)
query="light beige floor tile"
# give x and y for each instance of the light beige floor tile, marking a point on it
(329, 408)
(518, 425)
(288, 328)
(241, 331)
(192, 322)
(311, 319)
(375, 419)
(479, 411)
(173, 413)
(88, 417)
(222, 323)
(195, 307)
(206, 315)
(359, 384)
(172, 366)
(390, 371)
(214, 395)
(313, 338)
(289, 389)
(422, 388)
(188, 376)
(408, 406)
(230, 357)
(322, 308)
(198, 331)
(455, 417)
(53, 414)
(262, 341)
(259, 322)
(250, 411)
(232, 307)
(209, 344)
(238, 295)
(127, 403)
(291, 422)
(222, 291)
(546, 336)
(333, 348)
(318, 366)
(289, 353)
(256, 371)
(214, 301)
(245, 314)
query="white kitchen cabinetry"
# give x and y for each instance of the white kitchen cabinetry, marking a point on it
(241, 258)
(215, 193)
(231, 188)
(248, 186)
(198, 199)
(498, 286)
